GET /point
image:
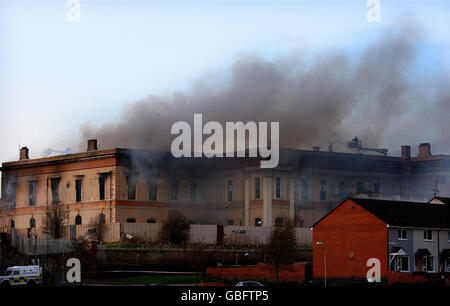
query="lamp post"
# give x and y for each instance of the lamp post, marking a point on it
(324, 259)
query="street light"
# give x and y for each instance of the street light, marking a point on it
(324, 259)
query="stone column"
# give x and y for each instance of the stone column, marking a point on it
(267, 201)
(247, 201)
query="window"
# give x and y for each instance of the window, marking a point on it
(428, 235)
(78, 220)
(230, 222)
(151, 220)
(257, 182)
(10, 194)
(258, 222)
(229, 190)
(131, 185)
(101, 187)
(297, 191)
(12, 224)
(341, 188)
(32, 193)
(359, 187)
(402, 234)
(448, 236)
(376, 187)
(428, 264)
(403, 263)
(323, 190)
(305, 191)
(32, 223)
(55, 191)
(193, 191)
(131, 220)
(78, 190)
(278, 187)
(174, 191)
(152, 190)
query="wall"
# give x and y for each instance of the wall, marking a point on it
(262, 272)
(351, 235)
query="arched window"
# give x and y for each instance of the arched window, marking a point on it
(32, 223)
(102, 218)
(131, 220)
(13, 224)
(78, 220)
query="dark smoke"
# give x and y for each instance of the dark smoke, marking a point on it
(317, 99)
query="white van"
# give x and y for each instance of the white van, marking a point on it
(21, 275)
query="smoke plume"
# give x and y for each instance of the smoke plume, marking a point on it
(317, 98)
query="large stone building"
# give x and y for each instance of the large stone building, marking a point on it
(125, 185)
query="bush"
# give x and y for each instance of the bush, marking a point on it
(176, 229)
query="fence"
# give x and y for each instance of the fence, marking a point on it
(37, 246)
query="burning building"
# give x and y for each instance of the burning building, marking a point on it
(140, 186)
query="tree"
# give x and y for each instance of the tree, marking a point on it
(281, 248)
(54, 220)
(97, 228)
(176, 229)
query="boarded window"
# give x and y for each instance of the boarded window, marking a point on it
(32, 193)
(78, 190)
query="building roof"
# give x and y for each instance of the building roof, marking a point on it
(405, 214)
(440, 200)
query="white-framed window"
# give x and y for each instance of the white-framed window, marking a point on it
(428, 235)
(279, 187)
(428, 263)
(402, 234)
(403, 263)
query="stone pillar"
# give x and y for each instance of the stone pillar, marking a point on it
(247, 201)
(267, 201)
(291, 198)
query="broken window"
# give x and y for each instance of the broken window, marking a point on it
(193, 191)
(323, 190)
(229, 190)
(257, 188)
(174, 190)
(78, 190)
(101, 187)
(32, 193)
(55, 190)
(305, 191)
(131, 186)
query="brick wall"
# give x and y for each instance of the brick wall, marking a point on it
(294, 272)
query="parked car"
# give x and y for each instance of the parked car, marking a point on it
(249, 283)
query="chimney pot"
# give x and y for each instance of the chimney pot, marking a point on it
(24, 153)
(316, 148)
(92, 145)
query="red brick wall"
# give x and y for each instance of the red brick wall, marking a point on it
(294, 272)
(351, 235)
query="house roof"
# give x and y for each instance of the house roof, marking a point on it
(405, 214)
(444, 200)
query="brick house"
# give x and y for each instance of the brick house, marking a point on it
(407, 237)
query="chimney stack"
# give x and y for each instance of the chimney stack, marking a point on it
(92, 145)
(406, 152)
(24, 153)
(316, 148)
(424, 151)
